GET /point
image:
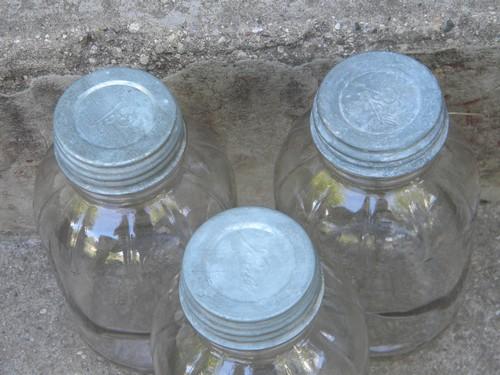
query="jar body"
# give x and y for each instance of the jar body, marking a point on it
(113, 261)
(334, 343)
(406, 245)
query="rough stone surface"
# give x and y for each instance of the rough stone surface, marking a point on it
(74, 36)
(197, 47)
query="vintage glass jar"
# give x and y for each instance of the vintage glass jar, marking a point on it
(387, 190)
(254, 299)
(116, 200)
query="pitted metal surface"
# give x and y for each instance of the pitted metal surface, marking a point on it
(250, 279)
(118, 131)
(379, 115)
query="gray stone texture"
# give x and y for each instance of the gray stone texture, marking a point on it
(246, 69)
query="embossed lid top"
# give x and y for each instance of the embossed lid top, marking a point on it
(250, 279)
(117, 131)
(379, 114)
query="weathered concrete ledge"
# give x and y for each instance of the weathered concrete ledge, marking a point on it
(42, 37)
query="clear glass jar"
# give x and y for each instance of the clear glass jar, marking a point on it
(386, 193)
(254, 299)
(116, 200)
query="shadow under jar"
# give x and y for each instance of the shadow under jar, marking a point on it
(387, 191)
(253, 298)
(116, 200)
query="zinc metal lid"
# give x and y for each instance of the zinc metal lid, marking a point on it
(250, 279)
(380, 115)
(117, 131)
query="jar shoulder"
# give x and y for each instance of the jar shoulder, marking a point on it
(205, 165)
(335, 342)
(190, 198)
(304, 181)
(315, 354)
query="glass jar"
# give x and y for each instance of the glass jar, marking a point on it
(252, 298)
(116, 200)
(385, 192)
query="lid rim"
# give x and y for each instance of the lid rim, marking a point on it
(231, 321)
(394, 152)
(127, 167)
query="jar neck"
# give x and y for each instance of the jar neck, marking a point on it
(262, 356)
(131, 199)
(377, 184)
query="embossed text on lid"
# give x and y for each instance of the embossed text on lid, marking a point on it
(250, 279)
(379, 114)
(117, 131)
